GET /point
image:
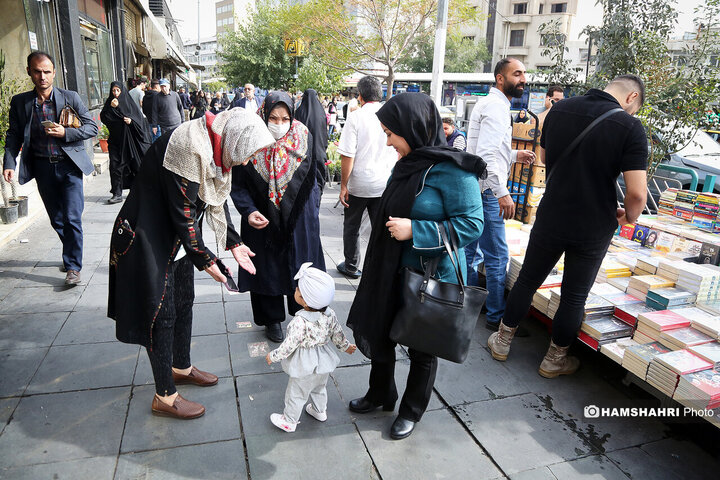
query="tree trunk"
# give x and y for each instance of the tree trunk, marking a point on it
(390, 80)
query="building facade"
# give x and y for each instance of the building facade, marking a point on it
(205, 57)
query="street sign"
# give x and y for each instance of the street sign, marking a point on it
(296, 47)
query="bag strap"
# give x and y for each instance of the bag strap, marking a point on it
(578, 139)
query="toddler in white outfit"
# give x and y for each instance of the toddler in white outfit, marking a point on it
(305, 353)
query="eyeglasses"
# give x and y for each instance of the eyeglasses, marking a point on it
(246, 88)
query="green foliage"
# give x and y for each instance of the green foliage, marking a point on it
(215, 86)
(256, 53)
(103, 133)
(462, 55)
(634, 39)
(554, 46)
(317, 75)
(8, 88)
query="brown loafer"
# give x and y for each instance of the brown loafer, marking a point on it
(182, 408)
(195, 377)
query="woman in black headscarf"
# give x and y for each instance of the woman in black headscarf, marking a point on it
(432, 183)
(278, 195)
(312, 115)
(129, 138)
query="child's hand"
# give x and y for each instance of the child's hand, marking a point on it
(351, 349)
(267, 359)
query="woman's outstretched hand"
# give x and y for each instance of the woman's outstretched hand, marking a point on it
(243, 256)
(400, 228)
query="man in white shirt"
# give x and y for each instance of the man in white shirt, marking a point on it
(489, 136)
(138, 92)
(366, 166)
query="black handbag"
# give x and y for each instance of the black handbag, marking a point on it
(437, 317)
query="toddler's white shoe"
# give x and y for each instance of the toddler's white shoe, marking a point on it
(320, 417)
(279, 420)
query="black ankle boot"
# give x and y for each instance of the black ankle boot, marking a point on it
(362, 405)
(274, 333)
(401, 428)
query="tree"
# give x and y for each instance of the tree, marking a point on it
(317, 75)
(554, 46)
(215, 86)
(634, 39)
(256, 53)
(462, 55)
(361, 34)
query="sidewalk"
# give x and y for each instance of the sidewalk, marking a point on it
(75, 403)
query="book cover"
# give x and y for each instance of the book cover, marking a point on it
(620, 299)
(652, 238)
(709, 254)
(629, 313)
(685, 337)
(606, 327)
(640, 234)
(588, 340)
(663, 320)
(646, 352)
(665, 241)
(708, 351)
(627, 231)
(682, 362)
(707, 381)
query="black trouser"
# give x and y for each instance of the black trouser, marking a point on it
(421, 379)
(351, 227)
(582, 262)
(269, 309)
(116, 169)
(172, 331)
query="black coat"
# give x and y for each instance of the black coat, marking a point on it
(160, 215)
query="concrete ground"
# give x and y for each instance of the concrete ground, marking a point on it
(75, 403)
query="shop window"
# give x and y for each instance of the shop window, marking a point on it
(99, 68)
(517, 38)
(558, 8)
(520, 8)
(42, 32)
(93, 9)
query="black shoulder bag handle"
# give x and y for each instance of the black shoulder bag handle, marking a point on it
(578, 139)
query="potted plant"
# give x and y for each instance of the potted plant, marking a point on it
(8, 211)
(103, 138)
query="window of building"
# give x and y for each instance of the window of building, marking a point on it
(517, 38)
(219, 23)
(519, 8)
(93, 9)
(540, 9)
(558, 8)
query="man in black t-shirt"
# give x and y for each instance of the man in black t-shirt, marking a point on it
(578, 213)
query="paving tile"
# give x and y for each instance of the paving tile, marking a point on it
(7, 407)
(44, 276)
(539, 473)
(44, 299)
(18, 367)
(217, 461)
(29, 330)
(593, 467)
(242, 362)
(676, 459)
(432, 451)
(521, 433)
(65, 426)
(239, 317)
(207, 291)
(101, 274)
(208, 318)
(352, 382)
(95, 297)
(93, 365)
(261, 395)
(208, 353)
(145, 431)
(97, 468)
(87, 326)
(236, 296)
(325, 453)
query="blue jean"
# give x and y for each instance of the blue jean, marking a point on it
(473, 259)
(61, 188)
(495, 255)
(155, 136)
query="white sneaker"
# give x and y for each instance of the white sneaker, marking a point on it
(279, 420)
(319, 416)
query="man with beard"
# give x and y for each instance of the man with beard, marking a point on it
(489, 137)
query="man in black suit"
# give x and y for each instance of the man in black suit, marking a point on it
(248, 100)
(52, 154)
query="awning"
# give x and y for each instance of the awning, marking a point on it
(175, 53)
(187, 79)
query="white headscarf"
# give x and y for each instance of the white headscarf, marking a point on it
(190, 154)
(317, 287)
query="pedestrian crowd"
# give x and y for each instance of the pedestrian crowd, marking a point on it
(436, 201)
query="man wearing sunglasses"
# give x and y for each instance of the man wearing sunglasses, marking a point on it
(247, 100)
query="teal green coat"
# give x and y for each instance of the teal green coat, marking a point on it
(447, 193)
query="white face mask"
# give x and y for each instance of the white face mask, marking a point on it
(278, 130)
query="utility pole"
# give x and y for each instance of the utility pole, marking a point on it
(199, 49)
(436, 86)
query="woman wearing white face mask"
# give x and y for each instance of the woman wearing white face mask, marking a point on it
(278, 196)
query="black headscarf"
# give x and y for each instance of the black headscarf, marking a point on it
(312, 114)
(273, 99)
(414, 117)
(131, 141)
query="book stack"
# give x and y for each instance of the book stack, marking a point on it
(622, 299)
(694, 314)
(554, 302)
(670, 269)
(639, 285)
(596, 307)
(624, 241)
(706, 210)
(621, 283)
(684, 205)
(605, 290)
(664, 298)
(606, 329)
(680, 338)
(647, 265)
(650, 324)
(666, 203)
(637, 358)
(709, 352)
(541, 299)
(552, 281)
(629, 313)
(709, 326)
(699, 390)
(712, 307)
(665, 369)
(616, 350)
(612, 269)
(516, 263)
(701, 280)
